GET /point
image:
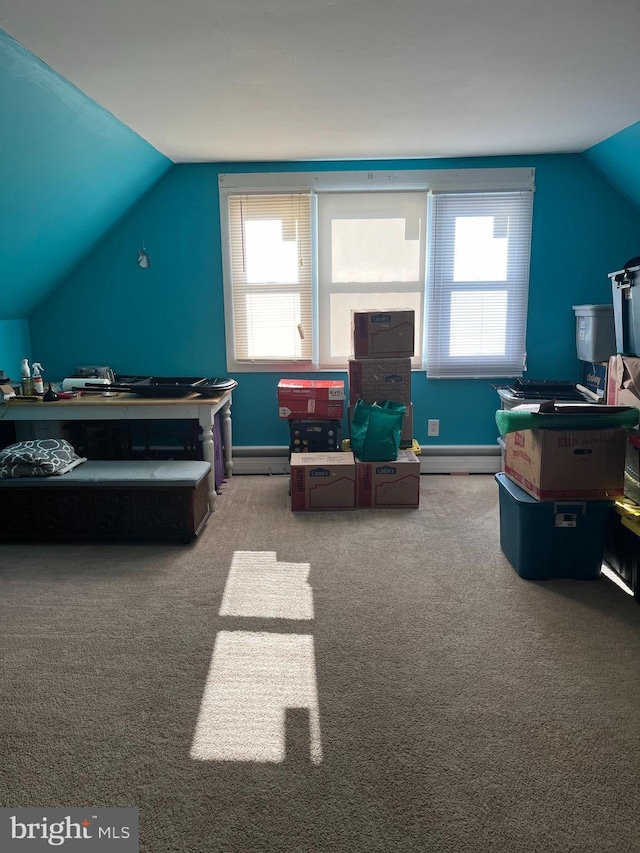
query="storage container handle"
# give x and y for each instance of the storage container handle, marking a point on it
(558, 504)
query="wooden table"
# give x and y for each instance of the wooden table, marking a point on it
(127, 406)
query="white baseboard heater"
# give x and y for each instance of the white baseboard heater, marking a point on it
(443, 459)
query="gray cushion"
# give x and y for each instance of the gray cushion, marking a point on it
(124, 472)
(38, 458)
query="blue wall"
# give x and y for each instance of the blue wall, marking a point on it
(14, 346)
(68, 170)
(169, 320)
(618, 158)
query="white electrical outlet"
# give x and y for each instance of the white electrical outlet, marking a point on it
(433, 427)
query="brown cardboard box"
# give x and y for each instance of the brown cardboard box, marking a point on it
(323, 481)
(557, 465)
(378, 379)
(388, 334)
(632, 466)
(623, 384)
(406, 436)
(389, 484)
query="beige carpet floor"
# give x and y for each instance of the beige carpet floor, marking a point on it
(431, 699)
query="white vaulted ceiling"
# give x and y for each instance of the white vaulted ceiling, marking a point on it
(241, 80)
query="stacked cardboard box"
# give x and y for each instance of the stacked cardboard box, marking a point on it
(623, 389)
(314, 409)
(322, 481)
(556, 494)
(383, 345)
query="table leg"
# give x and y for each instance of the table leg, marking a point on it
(205, 420)
(225, 414)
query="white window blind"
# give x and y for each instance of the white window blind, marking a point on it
(371, 256)
(478, 284)
(271, 276)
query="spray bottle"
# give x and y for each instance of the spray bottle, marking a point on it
(25, 373)
(38, 384)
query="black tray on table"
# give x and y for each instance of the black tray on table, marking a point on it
(171, 386)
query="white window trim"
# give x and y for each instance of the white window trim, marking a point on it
(468, 180)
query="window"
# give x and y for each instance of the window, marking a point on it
(302, 251)
(371, 251)
(478, 284)
(270, 256)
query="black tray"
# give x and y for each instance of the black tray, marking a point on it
(166, 386)
(170, 386)
(216, 387)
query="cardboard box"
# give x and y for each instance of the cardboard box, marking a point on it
(311, 389)
(406, 436)
(623, 384)
(392, 485)
(632, 466)
(594, 377)
(561, 465)
(390, 334)
(301, 408)
(314, 436)
(323, 481)
(378, 379)
(311, 399)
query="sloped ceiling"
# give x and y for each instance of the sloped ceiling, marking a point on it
(618, 158)
(68, 171)
(291, 80)
(242, 80)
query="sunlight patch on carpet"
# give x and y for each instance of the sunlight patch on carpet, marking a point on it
(258, 585)
(254, 677)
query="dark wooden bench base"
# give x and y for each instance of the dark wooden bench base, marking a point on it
(80, 512)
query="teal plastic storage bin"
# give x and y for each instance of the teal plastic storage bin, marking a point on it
(551, 539)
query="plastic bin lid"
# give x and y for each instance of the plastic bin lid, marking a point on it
(590, 310)
(514, 489)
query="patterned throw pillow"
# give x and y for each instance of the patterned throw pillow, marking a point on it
(38, 458)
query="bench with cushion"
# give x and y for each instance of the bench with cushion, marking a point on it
(108, 500)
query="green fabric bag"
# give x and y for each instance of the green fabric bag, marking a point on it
(376, 429)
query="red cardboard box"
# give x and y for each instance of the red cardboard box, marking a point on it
(378, 379)
(311, 389)
(557, 465)
(389, 484)
(388, 334)
(311, 399)
(323, 481)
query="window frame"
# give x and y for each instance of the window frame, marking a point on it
(442, 288)
(241, 183)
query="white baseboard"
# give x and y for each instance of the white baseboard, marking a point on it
(450, 459)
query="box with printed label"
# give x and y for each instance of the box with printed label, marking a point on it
(555, 465)
(594, 377)
(406, 436)
(388, 334)
(311, 389)
(310, 399)
(313, 436)
(323, 481)
(378, 379)
(389, 484)
(310, 409)
(623, 384)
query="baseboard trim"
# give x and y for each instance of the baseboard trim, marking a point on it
(449, 459)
